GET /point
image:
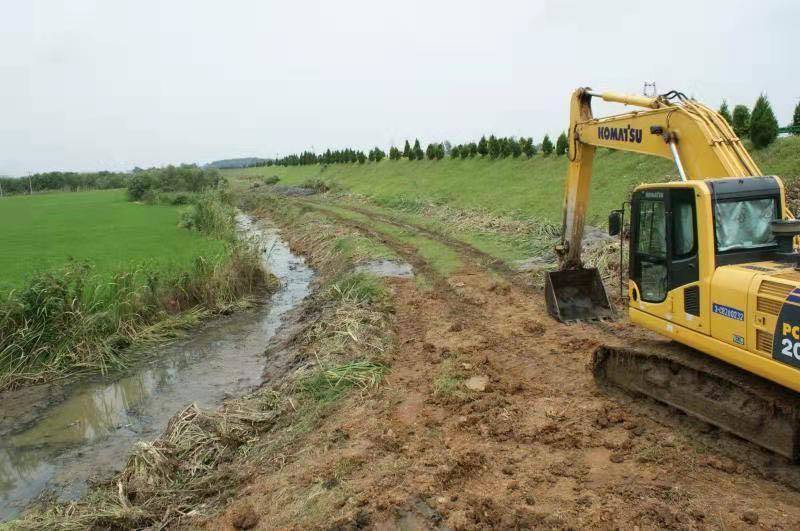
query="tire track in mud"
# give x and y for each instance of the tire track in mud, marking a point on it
(479, 258)
(545, 366)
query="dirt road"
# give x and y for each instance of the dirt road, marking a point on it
(490, 417)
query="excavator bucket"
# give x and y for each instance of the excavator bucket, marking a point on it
(576, 295)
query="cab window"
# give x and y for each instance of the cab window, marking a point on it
(651, 250)
(744, 224)
(683, 229)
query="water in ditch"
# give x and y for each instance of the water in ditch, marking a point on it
(55, 439)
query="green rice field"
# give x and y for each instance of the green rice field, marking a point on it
(43, 232)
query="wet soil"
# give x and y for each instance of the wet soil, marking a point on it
(490, 418)
(387, 268)
(53, 438)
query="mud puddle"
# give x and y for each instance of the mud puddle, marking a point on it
(53, 439)
(387, 268)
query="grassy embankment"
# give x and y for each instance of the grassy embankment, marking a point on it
(85, 275)
(193, 470)
(510, 208)
(509, 188)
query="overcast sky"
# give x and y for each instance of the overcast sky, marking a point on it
(112, 84)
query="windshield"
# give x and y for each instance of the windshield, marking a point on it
(744, 224)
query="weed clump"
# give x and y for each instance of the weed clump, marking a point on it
(318, 185)
(211, 216)
(359, 288)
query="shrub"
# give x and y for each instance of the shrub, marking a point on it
(407, 150)
(547, 145)
(725, 113)
(561, 144)
(184, 178)
(763, 125)
(180, 198)
(527, 146)
(494, 147)
(483, 146)
(796, 119)
(271, 180)
(417, 151)
(139, 184)
(211, 216)
(741, 120)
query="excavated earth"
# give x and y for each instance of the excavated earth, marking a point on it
(490, 418)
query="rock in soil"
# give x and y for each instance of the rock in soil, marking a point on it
(477, 383)
(750, 517)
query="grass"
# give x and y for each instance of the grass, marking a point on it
(441, 257)
(328, 246)
(42, 232)
(328, 384)
(449, 382)
(512, 188)
(77, 319)
(359, 288)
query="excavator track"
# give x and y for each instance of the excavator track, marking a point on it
(746, 405)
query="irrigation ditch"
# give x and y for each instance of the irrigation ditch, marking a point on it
(56, 437)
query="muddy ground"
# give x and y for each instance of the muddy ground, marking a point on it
(490, 418)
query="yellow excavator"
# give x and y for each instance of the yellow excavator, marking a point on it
(712, 266)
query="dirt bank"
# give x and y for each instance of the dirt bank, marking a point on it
(490, 418)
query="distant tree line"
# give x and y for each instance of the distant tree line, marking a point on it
(144, 185)
(492, 147)
(57, 181)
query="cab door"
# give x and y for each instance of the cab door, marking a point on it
(663, 259)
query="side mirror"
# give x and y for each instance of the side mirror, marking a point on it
(614, 223)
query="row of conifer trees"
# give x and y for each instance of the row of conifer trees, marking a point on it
(492, 147)
(760, 126)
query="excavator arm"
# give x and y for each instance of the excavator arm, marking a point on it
(696, 138)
